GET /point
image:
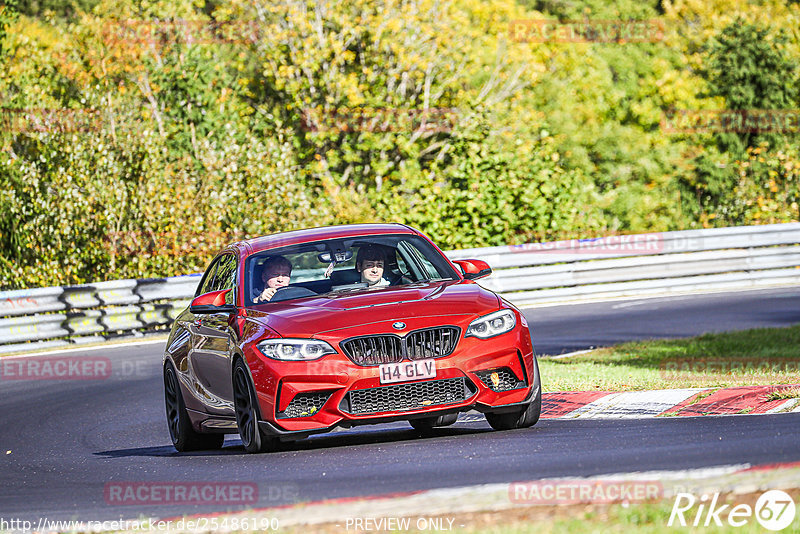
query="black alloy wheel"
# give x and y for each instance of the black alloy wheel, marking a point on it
(244, 400)
(525, 418)
(183, 436)
(427, 424)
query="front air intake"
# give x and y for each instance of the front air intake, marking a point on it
(411, 396)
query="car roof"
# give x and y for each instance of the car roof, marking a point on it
(296, 237)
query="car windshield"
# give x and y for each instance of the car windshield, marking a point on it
(330, 267)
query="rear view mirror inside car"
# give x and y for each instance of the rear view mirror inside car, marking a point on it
(341, 257)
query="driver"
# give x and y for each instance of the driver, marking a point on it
(370, 262)
(275, 274)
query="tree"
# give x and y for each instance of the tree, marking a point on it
(8, 16)
(67, 9)
(748, 67)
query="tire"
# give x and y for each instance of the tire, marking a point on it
(183, 436)
(247, 414)
(526, 418)
(426, 424)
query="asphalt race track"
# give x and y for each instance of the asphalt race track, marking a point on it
(67, 440)
(560, 329)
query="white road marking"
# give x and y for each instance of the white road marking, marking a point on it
(648, 301)
(568, 354)
(784, 406)
(633, 404)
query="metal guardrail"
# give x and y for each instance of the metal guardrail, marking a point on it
(643, 265)
(55, 316)
(533, 274)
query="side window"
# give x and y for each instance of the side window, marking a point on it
(208, 280)
(401, 264)
(423, 268)
(225, 277)
(430, 271)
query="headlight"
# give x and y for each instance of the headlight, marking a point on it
(492, 325)
(298, 350)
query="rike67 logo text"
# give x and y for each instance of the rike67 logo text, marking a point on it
(774, 510)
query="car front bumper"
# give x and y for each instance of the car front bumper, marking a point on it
(297, 399)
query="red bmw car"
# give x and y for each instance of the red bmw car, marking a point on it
(297, 333)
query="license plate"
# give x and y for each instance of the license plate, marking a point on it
(405, 371)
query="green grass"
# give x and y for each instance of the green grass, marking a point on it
(763, 356)
(650, 517)
(784, 394)
(643, 518)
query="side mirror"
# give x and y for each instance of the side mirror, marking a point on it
(474, 269)
(214, 302)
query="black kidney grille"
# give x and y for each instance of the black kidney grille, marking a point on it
(374, 350)
(305, 404)
(506, 379)
(431, 343)
(409, 396)
(389, 348)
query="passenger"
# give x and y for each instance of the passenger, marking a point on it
(370, 262)
(275, 274)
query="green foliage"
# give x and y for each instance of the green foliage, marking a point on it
(479, 195)
(604, 102)
(8, 16)
(207, 122)
(748, 67)
(767, 189)
(750, 70)
(60, 8)
(79, 209)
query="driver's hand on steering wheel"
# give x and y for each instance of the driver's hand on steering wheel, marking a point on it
(266, 295)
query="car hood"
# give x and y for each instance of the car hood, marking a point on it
(325, 314)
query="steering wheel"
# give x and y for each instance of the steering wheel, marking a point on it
(291, 292)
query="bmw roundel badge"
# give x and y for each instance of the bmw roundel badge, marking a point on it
(399, 325)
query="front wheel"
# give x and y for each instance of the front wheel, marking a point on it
(184, 437)
(523, 419)
(426, 424)
(246, 407)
